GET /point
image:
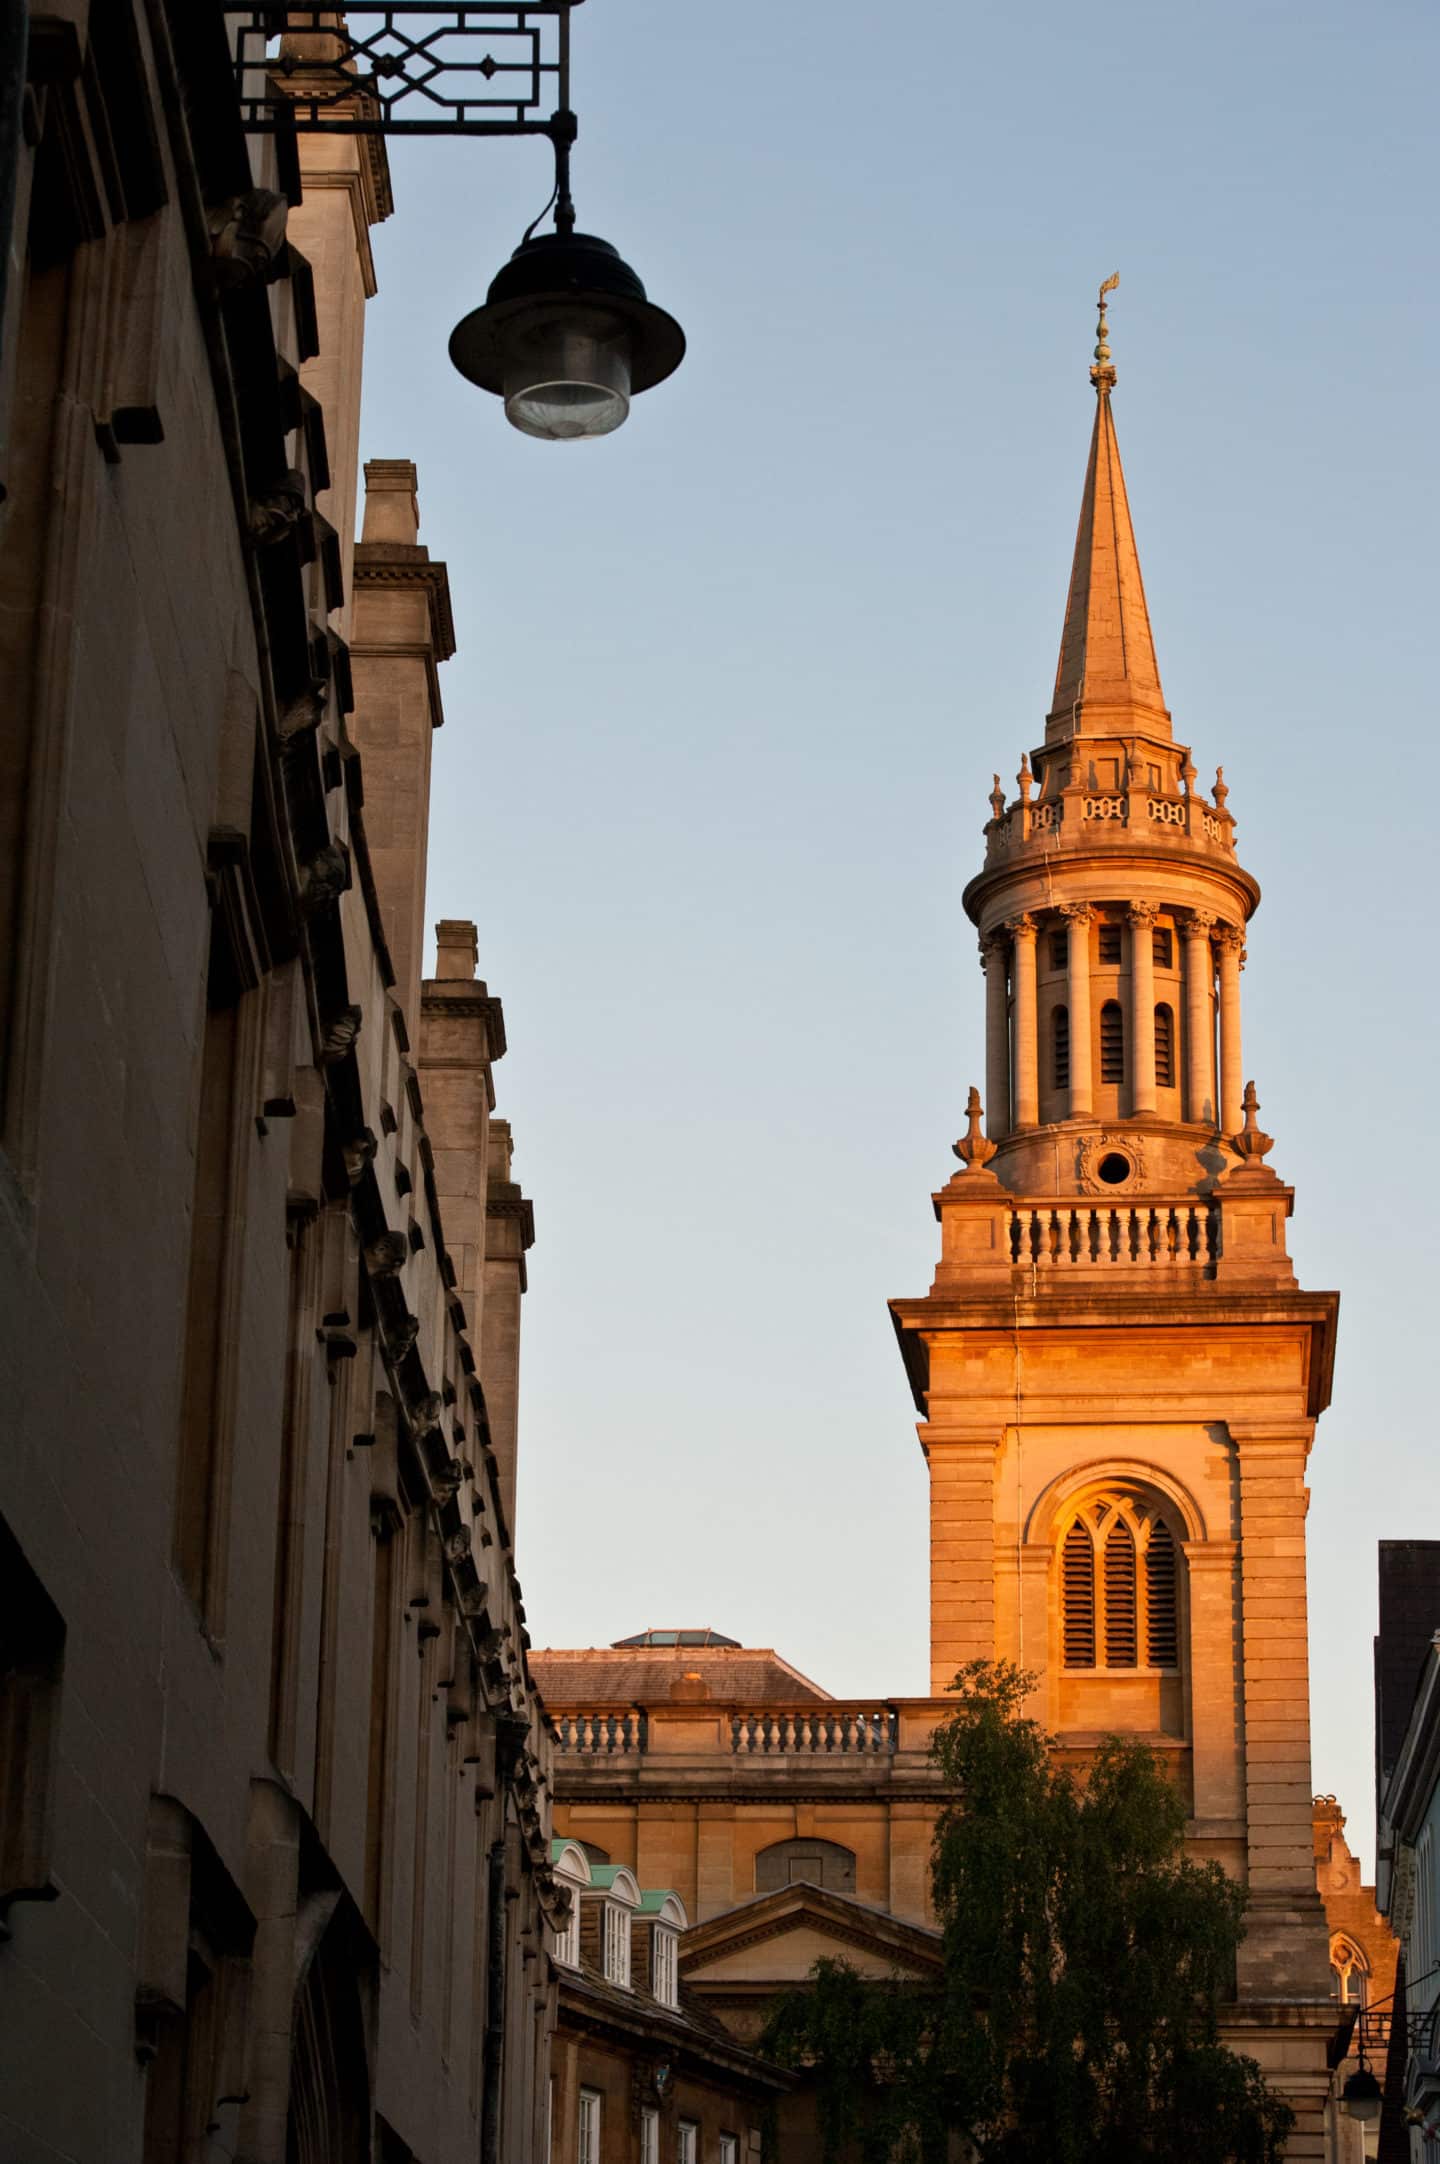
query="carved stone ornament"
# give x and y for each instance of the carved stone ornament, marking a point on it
(359, 1151)
(1078, 913)
(383, 1257)
(1250, 1142)
(326, 876)
(1094, 1149)
(1199, 924)
(974, 1149)
(279, 510)
(1231, 940)
(1021, 927)
(457, 1547)
(247, 234)
(1141, 914)
(341, 1030)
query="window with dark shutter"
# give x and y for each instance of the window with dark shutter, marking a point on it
(1110, 936)
(1078, 1597)
(1164, 949)
(1060, 1046)
(1059, 949)
(1165, 1047)
(1121, 1649)
(1162, 1631)
(1112, 1041)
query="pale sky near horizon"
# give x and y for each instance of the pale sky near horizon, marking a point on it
(731, 685)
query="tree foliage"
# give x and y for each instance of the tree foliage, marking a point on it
(1074, 2019)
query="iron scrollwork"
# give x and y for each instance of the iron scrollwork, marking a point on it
(405, 67)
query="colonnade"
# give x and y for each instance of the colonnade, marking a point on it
(1012, 1048)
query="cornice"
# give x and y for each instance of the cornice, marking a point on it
(378, 565)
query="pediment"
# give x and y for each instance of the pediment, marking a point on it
(778, 1938)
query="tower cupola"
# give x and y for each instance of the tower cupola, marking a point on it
(1111, 906)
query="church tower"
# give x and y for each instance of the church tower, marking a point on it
(1117, 1373)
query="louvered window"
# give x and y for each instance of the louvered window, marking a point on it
(1120, 1609)
(1112, 1042)
(1079, 1598)
(1164, 949)
(1059, 949)
(1162, 1631)
(1120, 1645)
(1165, 1047)
(1060, 1042)
(1110, 936)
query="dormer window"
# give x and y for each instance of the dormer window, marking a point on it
(572, 1871)
(615, 1944)
(664, 1976)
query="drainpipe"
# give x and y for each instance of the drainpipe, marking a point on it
(14, 51)
(494, 2060)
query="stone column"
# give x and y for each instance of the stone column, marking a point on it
(1141, 919)
(1284, 1954)
(993, 960)
(1079, 916)
(1027, 1073)
(1199, 1021)
(1231, 942)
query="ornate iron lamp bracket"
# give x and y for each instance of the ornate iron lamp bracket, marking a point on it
(406, 67)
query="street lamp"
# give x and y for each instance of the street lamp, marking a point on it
(566, 336)
(1361, 2097)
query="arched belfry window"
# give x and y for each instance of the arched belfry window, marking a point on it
(1119, 1585)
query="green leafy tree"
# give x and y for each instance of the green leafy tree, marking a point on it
(1084, 1960)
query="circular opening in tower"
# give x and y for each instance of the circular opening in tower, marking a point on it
(1114, 1169)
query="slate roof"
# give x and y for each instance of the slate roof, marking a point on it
(642, 1675)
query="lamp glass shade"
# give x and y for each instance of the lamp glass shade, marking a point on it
(566, 372)
(1360, 2098)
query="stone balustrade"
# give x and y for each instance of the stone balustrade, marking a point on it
(1094, 814)
(601, 1731)
(1103, 1236)
(810, 1729)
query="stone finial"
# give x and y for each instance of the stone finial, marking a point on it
(1102, 375)
(997, 800)
(1024, 780)
(1221, 792)
(1187, 775)
(974, 1149)
(1250, 1142)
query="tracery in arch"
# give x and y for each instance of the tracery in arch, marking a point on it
(1349, 1971)
(1119, 1579)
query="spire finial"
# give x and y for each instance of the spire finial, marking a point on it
(1102, 375)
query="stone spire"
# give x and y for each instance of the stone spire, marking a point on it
(1107, 680)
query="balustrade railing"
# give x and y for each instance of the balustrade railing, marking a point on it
(814, 1731)
(829, 1728)
(602, 1734)
(1181, 1235)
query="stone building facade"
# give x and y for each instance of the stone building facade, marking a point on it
(275, 1877)
(1364, 1952)
(1117, 1374)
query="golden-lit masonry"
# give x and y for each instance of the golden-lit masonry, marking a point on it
(1118, 1380)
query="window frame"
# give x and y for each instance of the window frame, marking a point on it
(1096, 1519)
(1112, 1060)
(615, 1943)
(665, 1965)
(649, 2134)
(687, 2141)
(589, 2122)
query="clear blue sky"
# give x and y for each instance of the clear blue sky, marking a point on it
(731, 685)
